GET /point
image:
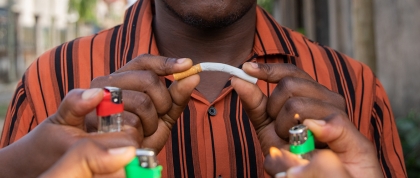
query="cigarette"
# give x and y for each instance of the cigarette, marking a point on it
(212, 66)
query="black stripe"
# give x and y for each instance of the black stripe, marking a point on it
(393, 143)
(57, 65)
(362, 99)
(251, 147)
(378, 139)
(347, 77)
(30, 124)
(292, 60)
(40, 89)
(124, 31)
(175, 151)
(21, 99)
(265, 61)
(150, 43)
(212, 147)
(91, 57)
(336, 74)
(295, 51)
(129, 55)
(236, 135)
(112, 49)
(19, 102)
(276, 29)
(312, 57)
(188, 142)
(69, 60)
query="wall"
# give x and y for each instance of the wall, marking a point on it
(398, 52)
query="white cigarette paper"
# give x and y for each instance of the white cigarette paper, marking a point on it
(220, 67)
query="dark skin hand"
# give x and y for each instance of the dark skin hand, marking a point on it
(44, 145)
(296, 93)
(90, 159)
(350, 155)
(149, 105)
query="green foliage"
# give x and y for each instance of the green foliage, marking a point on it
(85, 9)
(409, 130)
(267, 5)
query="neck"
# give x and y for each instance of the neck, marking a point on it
(229, 45)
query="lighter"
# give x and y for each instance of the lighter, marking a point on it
(109, 111)
(144, 165)
(301, 141)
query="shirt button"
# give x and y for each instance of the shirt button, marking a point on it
(212, 111)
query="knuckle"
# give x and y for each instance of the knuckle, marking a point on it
(285, 84)
(293, 105)
(99, 82)
(150, 80)
(144, 55)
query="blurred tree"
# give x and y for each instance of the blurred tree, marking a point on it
(267, 5)
(85, 9)
(408, 129)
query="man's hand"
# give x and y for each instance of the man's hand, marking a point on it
(296, 93)
(351, 154)
(149, 105)
(43, 146)
(89, 159)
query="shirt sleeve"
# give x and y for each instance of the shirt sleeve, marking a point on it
(385, 135)
(19, 117)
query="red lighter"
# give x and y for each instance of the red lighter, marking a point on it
(109, 111)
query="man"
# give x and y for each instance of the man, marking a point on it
(227, 126)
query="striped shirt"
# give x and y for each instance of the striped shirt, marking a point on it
(204, 143)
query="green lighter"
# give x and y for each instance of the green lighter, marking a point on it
(301, 141)
(144, 165)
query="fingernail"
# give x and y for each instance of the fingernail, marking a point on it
(274, 152)
(317, 122)
(117, 151)
(90, 93)
(181, 60)
(294, 170)
(253, 65)
(281, 175)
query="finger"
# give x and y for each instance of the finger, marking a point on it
(281, 161)
(160, 65)
(128, 137)
(273, 73)
(181, 93)
(289, 87)
(254, 102)
(76, 105)
(341, 136)
(141, 105)
(306, 108)
(88, 158)
(323, 164)
(141, 81)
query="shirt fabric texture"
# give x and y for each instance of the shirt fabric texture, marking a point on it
(203, 144)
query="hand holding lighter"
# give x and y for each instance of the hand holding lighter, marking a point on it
(109, 113)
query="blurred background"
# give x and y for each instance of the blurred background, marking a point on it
(384, 34)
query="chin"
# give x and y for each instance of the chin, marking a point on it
(209, 14)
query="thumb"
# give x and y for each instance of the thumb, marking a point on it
(88, 158)
(254, 102)
(323, 164)
(340, 135)
(76, 105)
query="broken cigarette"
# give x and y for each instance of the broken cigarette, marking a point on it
(212, 66)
